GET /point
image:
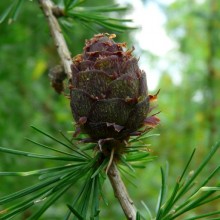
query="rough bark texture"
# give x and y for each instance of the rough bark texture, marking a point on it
(62, 49)
(121, 192)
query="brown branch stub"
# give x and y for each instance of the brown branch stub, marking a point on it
(62, 49)
(58, 12)
(121, 192)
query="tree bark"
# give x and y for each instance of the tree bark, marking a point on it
(62, 49)
(121, 192)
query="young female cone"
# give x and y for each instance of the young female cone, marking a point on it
(109, 96)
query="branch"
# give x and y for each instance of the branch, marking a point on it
(62, 49)
(121, 192)
(52, 12)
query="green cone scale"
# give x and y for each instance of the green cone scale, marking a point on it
(109, 97)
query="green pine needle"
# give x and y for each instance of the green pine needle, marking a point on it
(49, 202)
(38, 172)
(96, 15)
(39, 156)
(204, 215)
(186, 194)
(51, 137)
(147, 210)
(74, 211)
(12, 12)
(55, 181)
(162, 193)
(50, 148)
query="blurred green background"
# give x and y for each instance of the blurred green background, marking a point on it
(190, 109)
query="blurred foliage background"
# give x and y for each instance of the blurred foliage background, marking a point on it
(190, 109)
